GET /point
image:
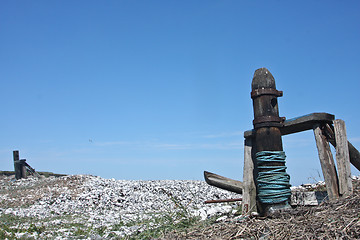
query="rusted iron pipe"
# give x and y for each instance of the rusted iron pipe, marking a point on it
(223, 200)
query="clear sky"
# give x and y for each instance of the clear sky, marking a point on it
(161, 89)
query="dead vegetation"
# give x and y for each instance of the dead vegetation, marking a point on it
(330, 220)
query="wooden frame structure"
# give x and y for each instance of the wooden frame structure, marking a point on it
(326, 129)
(21, 167)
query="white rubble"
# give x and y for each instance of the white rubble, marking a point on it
(116, 208)
(99, 202)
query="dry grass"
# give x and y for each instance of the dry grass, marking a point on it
(331, 220)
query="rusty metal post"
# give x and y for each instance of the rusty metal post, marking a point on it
(267, 122)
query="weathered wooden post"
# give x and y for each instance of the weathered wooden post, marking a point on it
(250, 170)
(17, 165)
(23, 168)
(343, 159)
(273, 188)
(327, 162)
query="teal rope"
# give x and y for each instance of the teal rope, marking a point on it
(272, 181)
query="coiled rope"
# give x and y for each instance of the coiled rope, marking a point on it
(272, 181)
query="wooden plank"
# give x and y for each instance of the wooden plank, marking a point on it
(343, 158)
(249, 190)
(353, 152)
(327, 163)
(300, 124)
(223, 182)
(305, 122)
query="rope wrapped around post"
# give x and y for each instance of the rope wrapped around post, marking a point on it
(272, 181)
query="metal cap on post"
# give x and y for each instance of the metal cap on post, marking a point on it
(272, 194)
(266, 112)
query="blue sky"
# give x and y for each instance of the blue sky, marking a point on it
(161, 89)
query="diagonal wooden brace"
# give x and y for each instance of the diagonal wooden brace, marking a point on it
(327, 163)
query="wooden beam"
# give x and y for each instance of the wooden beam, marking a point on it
(305, 122)
(354, 156)
(223, 182)
(300, 124)
(249, 190)
(327, 163)
(343, 158)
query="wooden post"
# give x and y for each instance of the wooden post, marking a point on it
(327, 163)
(17, 165)
(23, 168)
(343, 158)
(267, 122)
(249, 190)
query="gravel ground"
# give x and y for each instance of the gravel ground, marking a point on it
(83, 206)
(90, 207)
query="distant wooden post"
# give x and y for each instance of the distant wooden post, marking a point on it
(249, 191)
(17, 165)
(23, 168)
(343, 158)
(327, 163)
